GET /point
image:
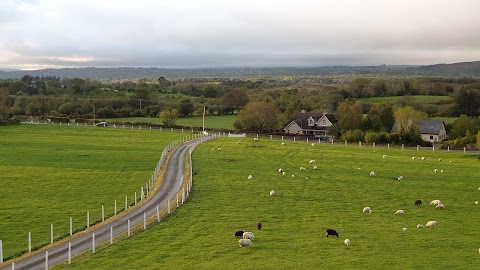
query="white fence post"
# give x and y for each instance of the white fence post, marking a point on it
(71, 227)
(69, 252)
(88, 219)
(93, 243)
(51, 233)
(115, 209)
(183, 196)
(464, 149)
(418, 147)
(168, 207)
(46, 260)
(177, 200)
(359, 143)
(373, 144)
(448, 148)
(402, 146)
(345, 143)
(13, 266)
(111, 235)
(1, 252)
(433, 147)
(388, 145)
(135, 198)
(29, 242)
(103, 213)
(128, 227)
(144, 221)
(126, 203)
(158, 216)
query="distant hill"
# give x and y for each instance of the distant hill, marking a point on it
(467, 69)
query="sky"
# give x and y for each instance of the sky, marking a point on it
(37, 34)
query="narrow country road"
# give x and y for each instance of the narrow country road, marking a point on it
(171, 185)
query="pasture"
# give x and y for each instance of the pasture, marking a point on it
(200, 235)
(215, 122)
(417, 98)
(51, 173)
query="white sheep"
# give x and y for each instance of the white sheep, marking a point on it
(399, 212)
(248, 235)
(283, 173)
(302, 169)
(420, 226)
(245, 242)
(219, 149)
(367, 210)
(440, 206)
(280, 170)
(404, 229)
(293, 175)
(282, 143)
(476, 202)
(255, 139)
(313, 144)
(413, 158)
(400, 178)
(272, 192)
(431, 224)
(372, 173)
(441, 171)
(311, 161)
(250, 177)
(423, 158)
(384, 156)
(439, 159)
(315, 167)
(435, 202)
(306, 178)
(478, 188)
(347, 242)
(239, 142)
(436, 170)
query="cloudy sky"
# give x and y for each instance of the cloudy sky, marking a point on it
(38, 34)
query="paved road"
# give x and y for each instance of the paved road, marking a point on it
(171, 185)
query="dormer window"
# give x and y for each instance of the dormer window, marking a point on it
(324, 122)
(311, 122)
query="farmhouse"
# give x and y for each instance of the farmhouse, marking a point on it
(313, 123)
(431, 130)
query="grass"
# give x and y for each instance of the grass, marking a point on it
(200, 235)
(51, 173)
(421, 99)
(447, 120)
(215, 122)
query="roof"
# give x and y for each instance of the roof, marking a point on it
(426, 127)
(302, 120)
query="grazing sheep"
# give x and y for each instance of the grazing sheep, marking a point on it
(431, 224)
(367, 210)
(313, 144)
(259, 226)
(478, 188)
(239, 233)
(347, 242)
(245, 242)
(311, 161)
(418, 202)
(435, 170)
(272, 192)
(400, 178)
(255, 139)
(306, 177)
(293, 175)
(435, 202)
(413, 158)
(282, 143)
(331, 232)
(302, 169)
(248, 235)
(423, 158)
(315, 167)
(283, 173)
(372, 173)
(280, 170)
(440, 206)
(399, 212)
(476, 202)
(420, 226)
(239, 142)
(404, 229)
(439, 159)
(384, 156)
(441, 171)
(219, 149)
(250, 177)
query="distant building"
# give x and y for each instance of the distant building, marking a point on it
(431, 130)
(313, 123)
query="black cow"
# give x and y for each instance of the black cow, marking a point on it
(331, 232)
(239, 233)
(418, 202)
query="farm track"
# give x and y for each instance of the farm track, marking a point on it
(81, 242)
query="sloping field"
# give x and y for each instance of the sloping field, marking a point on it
(51, 173)
(200, 235)
(419, 98)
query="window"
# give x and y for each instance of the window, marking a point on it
(324, 122)
(431, 137)
(311, 122)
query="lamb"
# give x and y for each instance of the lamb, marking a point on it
(372, 173)
(219, 149)
(239, 233)
(272, 192)
(347, 242)
(250, 177)
(476, 202)
(384, 156)
(399, 212)
(436, 170)
(435, 202)
(420, 226)
(259, 226)
(441, 171)
(331, 232)
(283, 173)
(302, 169)
(255, 139)
(245, 242)
(413, 158)
(367, 210)
(423, 158)
(280, 170)
(418, 202)
(431, 224)
(404, 229)
(440, 206)
(315, 167)
(248, 235)
(439, 159)
(282, 143)
(400, 178)
(311, 161)
(313, 144)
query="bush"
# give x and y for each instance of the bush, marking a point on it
(376, 137)
(353, 135)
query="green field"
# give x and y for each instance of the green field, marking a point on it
(200, 235)
(447, 120)
(51, 173)
(421, 99)
(215, 122)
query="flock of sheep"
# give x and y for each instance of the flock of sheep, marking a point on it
(247, 237)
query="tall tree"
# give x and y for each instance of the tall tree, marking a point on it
(185, 108)
(380, 117)
(3, 103)
(235, 100)
(258, 116)
(169, 117)
(359, 87)
(408, 120)
(349, 115)
(467, 101)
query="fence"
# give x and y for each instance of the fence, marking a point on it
(154, 216)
